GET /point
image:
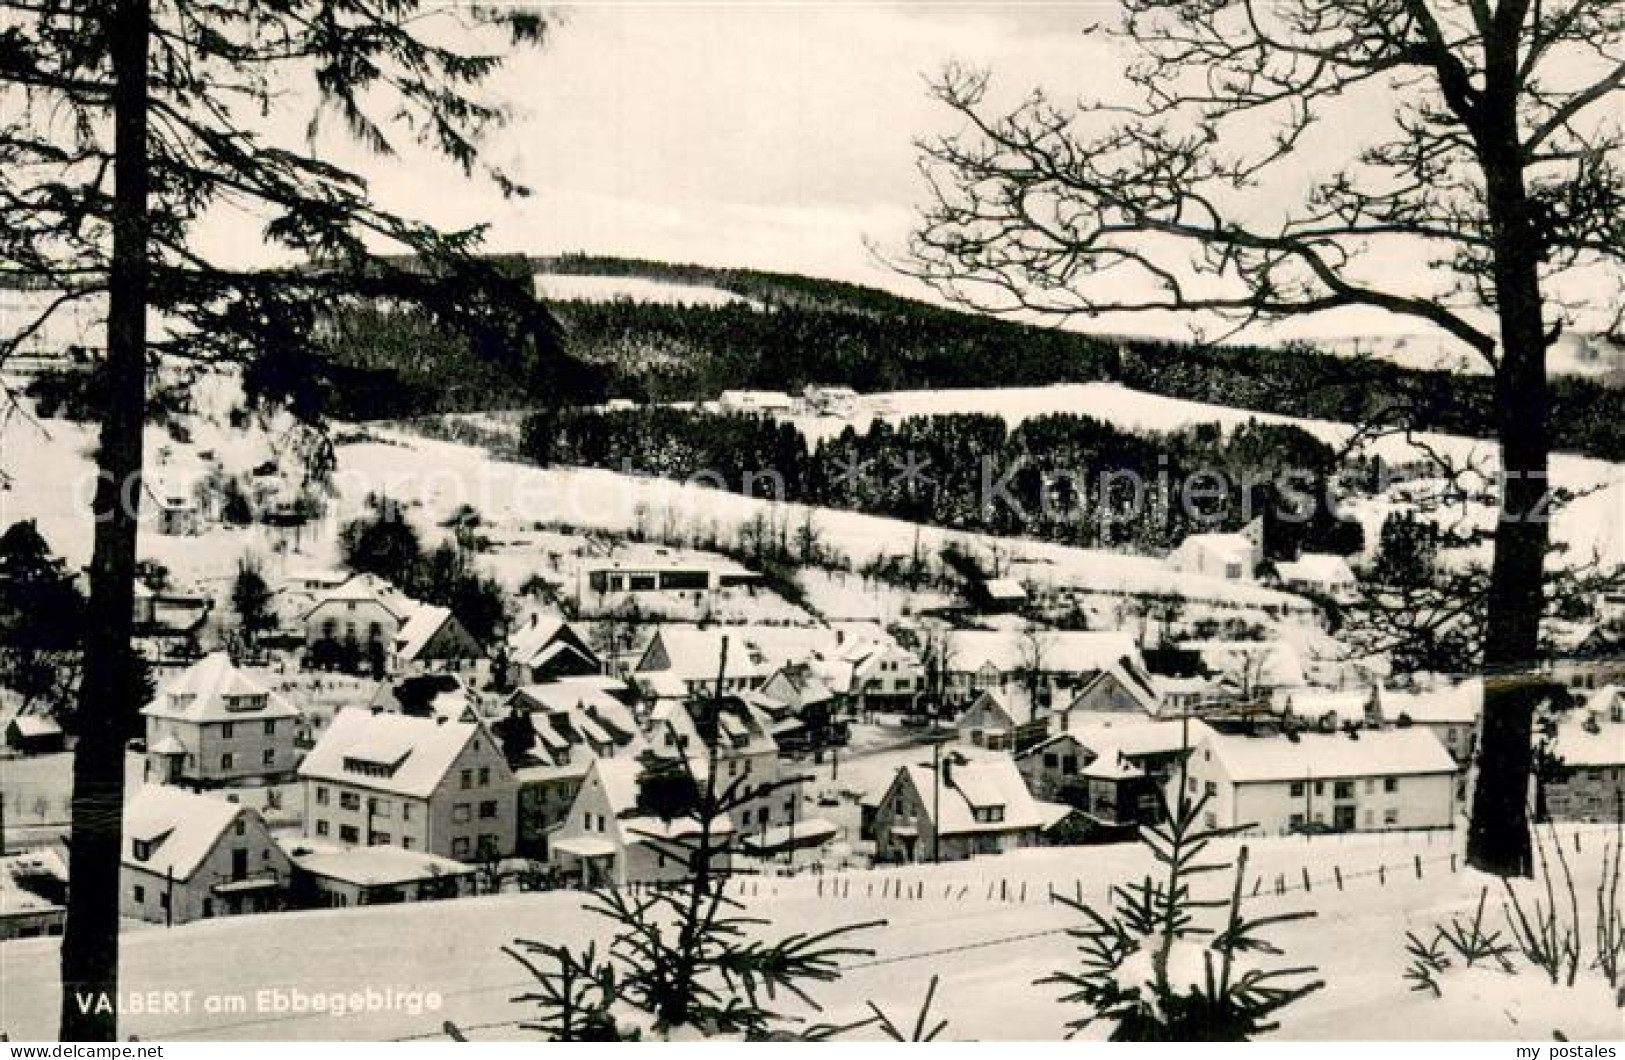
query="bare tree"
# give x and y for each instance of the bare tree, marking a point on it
(1249, 178)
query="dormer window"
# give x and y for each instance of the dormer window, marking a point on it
(142, 848)
(244, 702)
(181, 700)
(990, 814)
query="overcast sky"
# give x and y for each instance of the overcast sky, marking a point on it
(776, 134)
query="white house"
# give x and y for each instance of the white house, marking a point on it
(215, 723)
(1234, 557)
(189, 857)
(965, 808)
(1321, 573)
(1369, 781)
(429, 784)
(606, 841)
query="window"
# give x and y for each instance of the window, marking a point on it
(321, 827)
(1370, 786)
(240, 826)
(408, 843)
(1320, 787)
(485, 776)
(1390, 784)
(349, 800)
(1069, 765)
(1343, 789)
(1210, 789)
(467, 779)
(1390, 815)
(140, 893)
(270, 726)
(1296, 821)
(1052, 761)
(459, 847)
(226, 761)
(459, 813)
(406, 811)
(379, 839)
(142, 849)
(1209, 820)
(226, 730)
(348, 833)
(268, 756)
(1297, 789)
(488, 810)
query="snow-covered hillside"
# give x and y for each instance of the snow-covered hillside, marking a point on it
(1593, 525)
(565, 286)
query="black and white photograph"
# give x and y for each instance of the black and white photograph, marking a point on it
(838, 521)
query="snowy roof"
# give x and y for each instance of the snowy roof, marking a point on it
(546, 637)
(1005, 589)
(1057, 651)
(979, 783)
(1577, 745)
(1316, 568)
(419, 628)
(367, 588)
(1373, 753)
(412, 754)
(694, 654)
(619, 777)
(36, 725)
(1458, 704)
(1346, 704)
(214, 690)
(176, 828)
(373, 866)
(1219, 544)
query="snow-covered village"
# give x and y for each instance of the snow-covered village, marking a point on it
(1051, 597)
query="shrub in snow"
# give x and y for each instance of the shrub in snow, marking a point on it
(1466, 959)
(1153, 971)
(684, 961)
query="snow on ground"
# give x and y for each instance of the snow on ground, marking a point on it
(1595, 522)
(987, 928)
(564, 287)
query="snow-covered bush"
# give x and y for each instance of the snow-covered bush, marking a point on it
(1153, 971)
(684, 961)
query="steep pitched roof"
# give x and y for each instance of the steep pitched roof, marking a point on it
(401, 754)
(214, 690)
(419, 629)
(174, 828)
(978, 783)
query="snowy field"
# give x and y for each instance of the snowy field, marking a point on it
(565, 287)
(988, 928)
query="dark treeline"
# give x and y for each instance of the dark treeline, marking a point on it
(791, 331)
(1062, 477)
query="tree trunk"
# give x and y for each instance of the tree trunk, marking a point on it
(90, 942)
(1498, 837)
